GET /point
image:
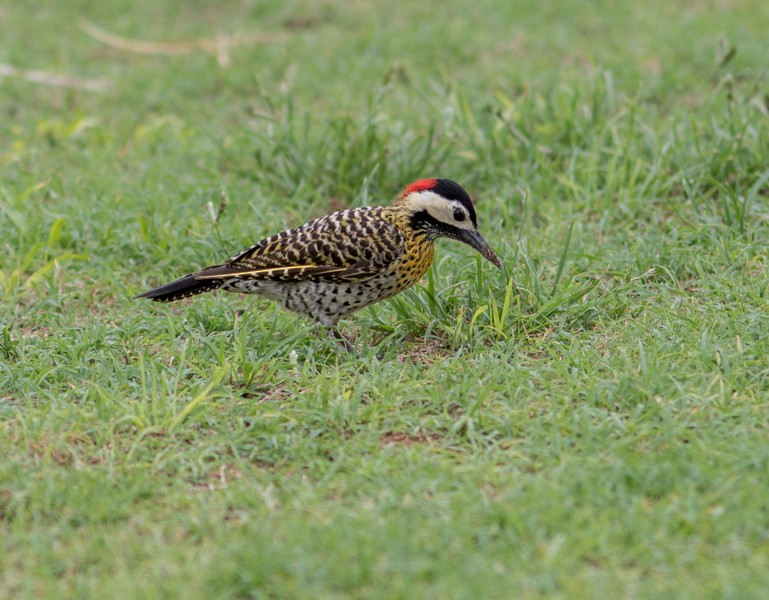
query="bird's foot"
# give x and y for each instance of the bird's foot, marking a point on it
(334, 334)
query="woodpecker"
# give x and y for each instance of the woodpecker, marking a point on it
(337, 264)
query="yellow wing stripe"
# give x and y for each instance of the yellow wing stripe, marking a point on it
(274, 270)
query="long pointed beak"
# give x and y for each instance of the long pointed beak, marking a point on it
(475, 239)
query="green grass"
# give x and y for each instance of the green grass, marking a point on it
(591, 422)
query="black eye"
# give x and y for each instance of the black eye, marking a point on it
(459, 215)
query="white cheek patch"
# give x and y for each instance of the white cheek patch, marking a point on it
(442, 210)
(466, 223)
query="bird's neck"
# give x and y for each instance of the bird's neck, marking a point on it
(406, 218)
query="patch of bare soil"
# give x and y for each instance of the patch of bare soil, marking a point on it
(401, 438)
(425, 351)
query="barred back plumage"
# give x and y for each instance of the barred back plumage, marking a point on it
(337, 264)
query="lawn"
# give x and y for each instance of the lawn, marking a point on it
(590, 422)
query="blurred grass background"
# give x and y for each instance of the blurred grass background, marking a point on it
(591, 422)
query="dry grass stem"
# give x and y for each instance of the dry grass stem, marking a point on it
(56, 80)
(218, 46)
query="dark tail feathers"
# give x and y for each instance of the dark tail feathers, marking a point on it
(181, 288)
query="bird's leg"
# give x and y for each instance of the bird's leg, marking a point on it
(333, 333)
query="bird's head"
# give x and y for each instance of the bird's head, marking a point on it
(441, 208)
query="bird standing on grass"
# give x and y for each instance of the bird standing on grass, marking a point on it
(337, 264)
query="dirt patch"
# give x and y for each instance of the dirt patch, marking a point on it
(6, 512)
(35, 331)
(72, 451)
(219, 479)
(300, 23)
(42, 449)
(265, 394)
(335, 203)
(425, 351)
(401, 438)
